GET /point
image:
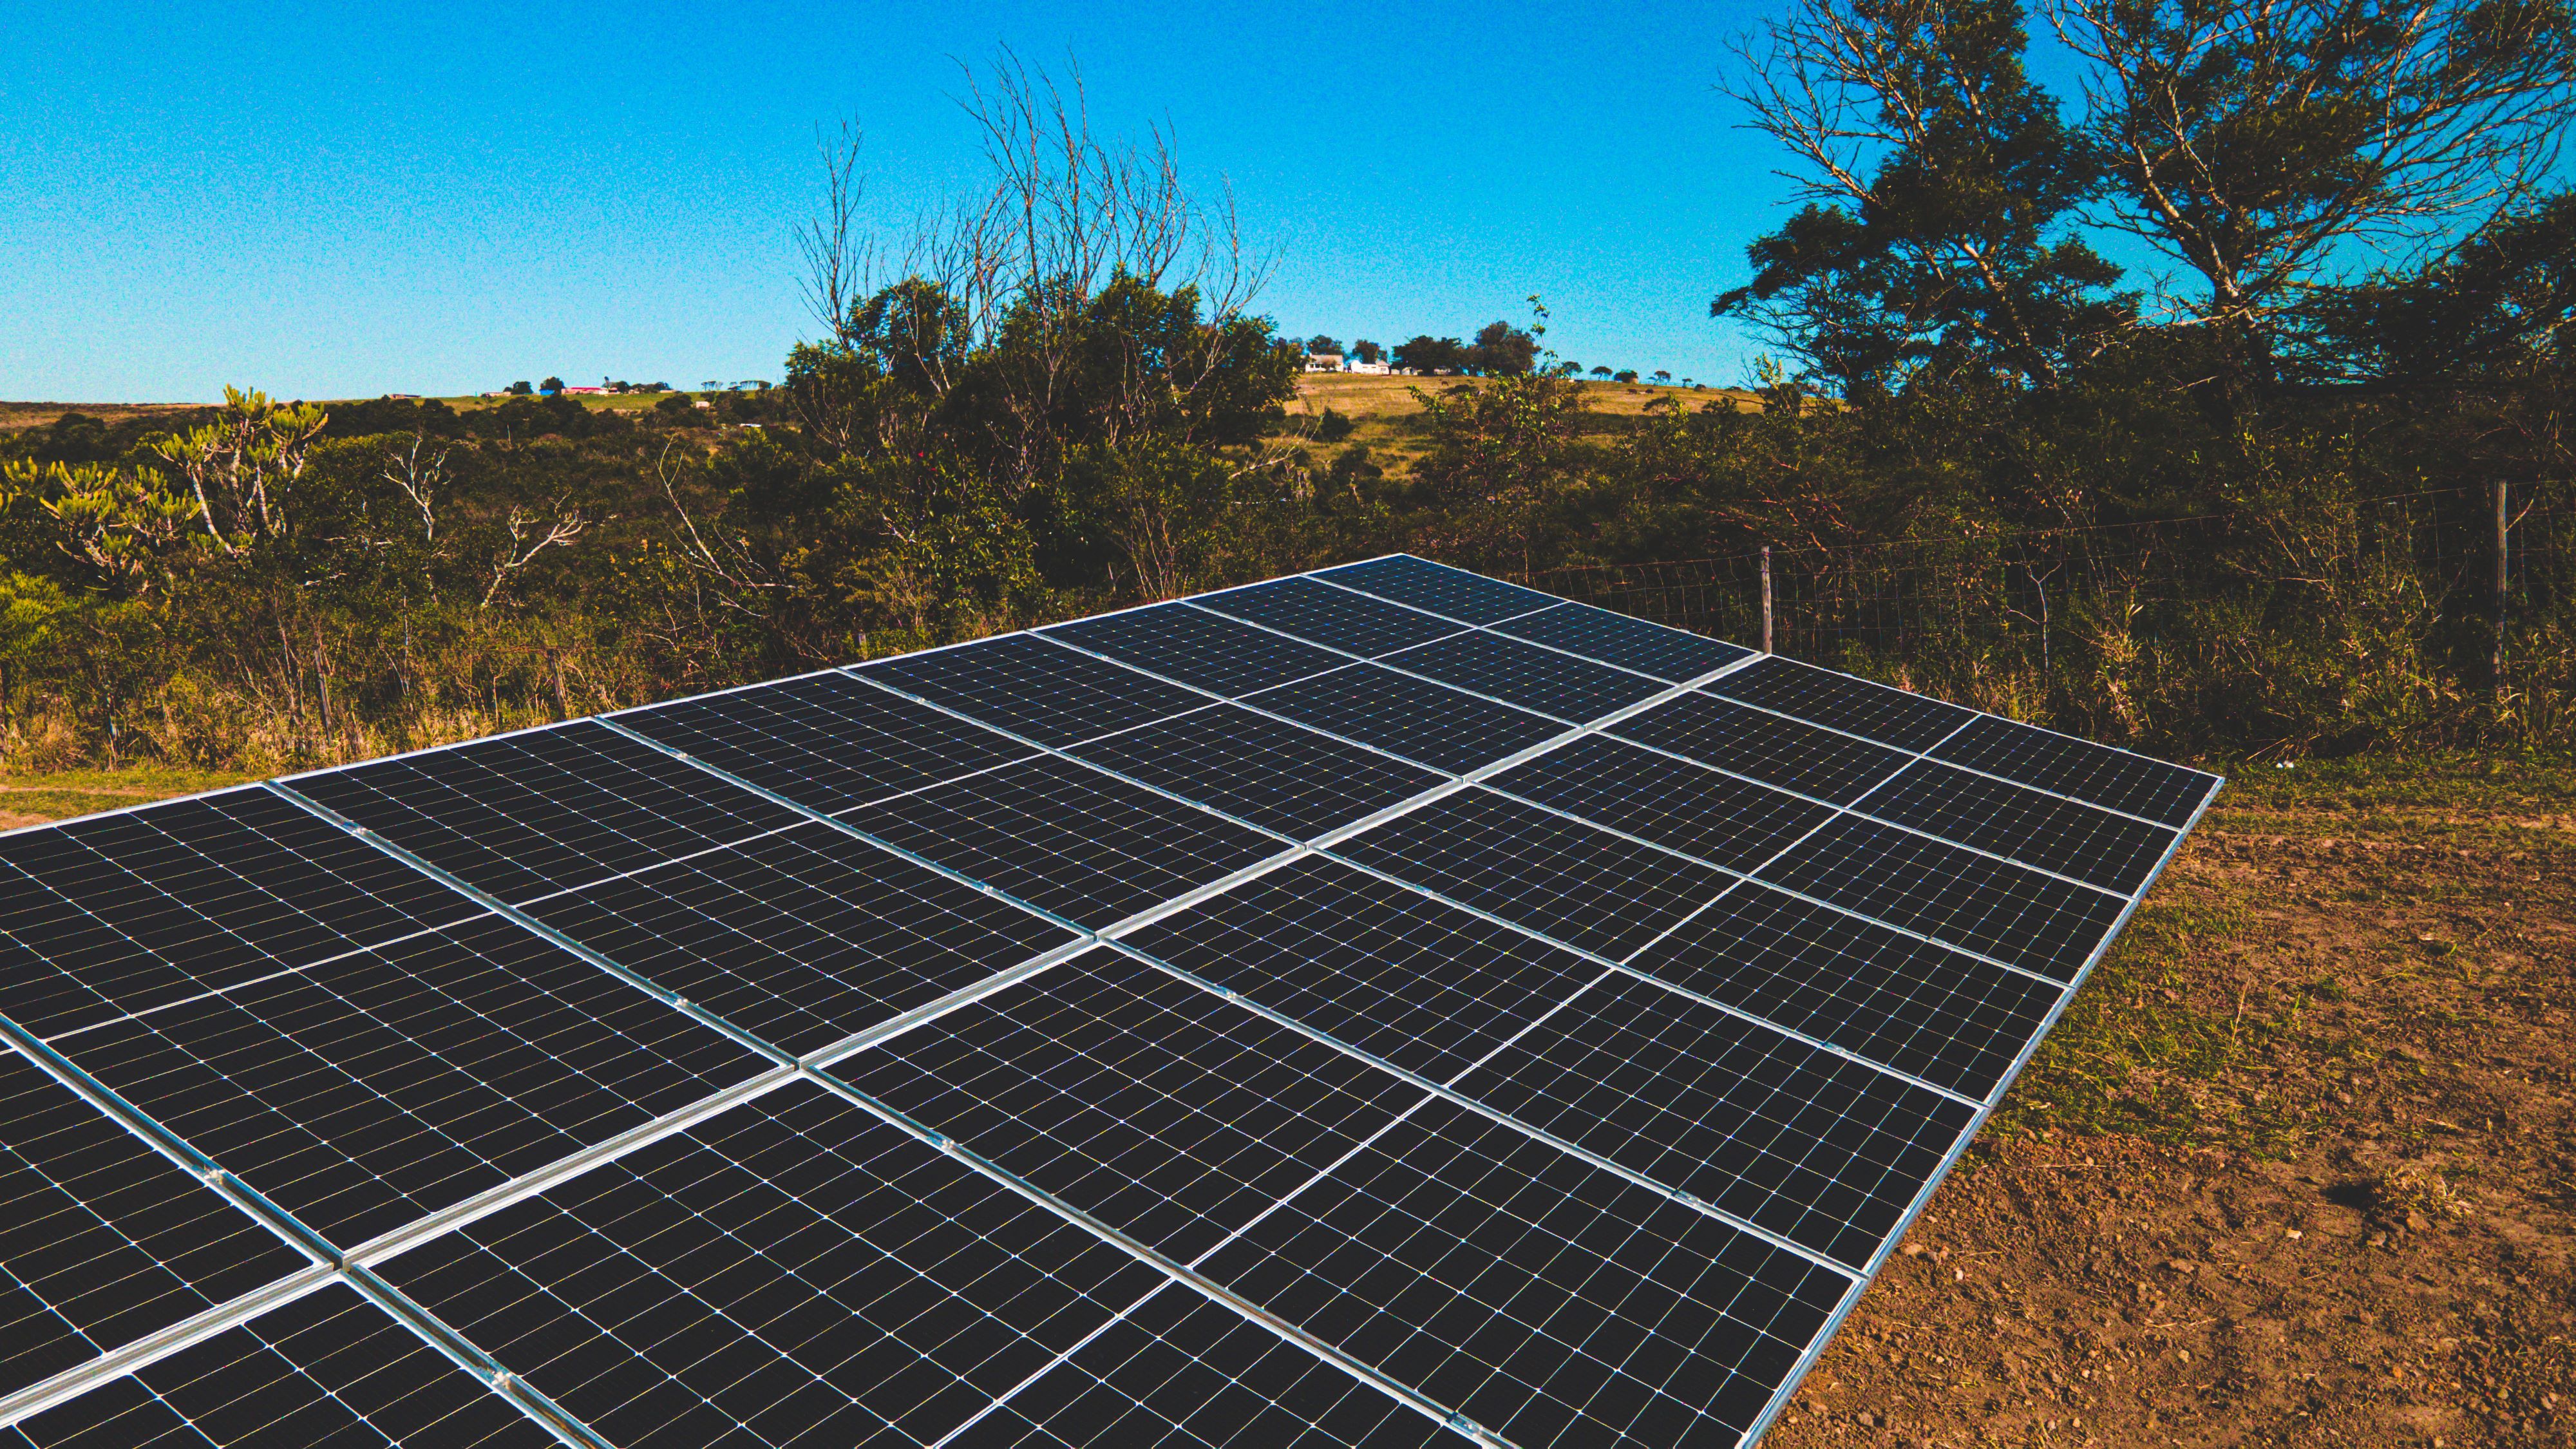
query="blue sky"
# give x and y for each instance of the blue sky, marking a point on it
(341, 202)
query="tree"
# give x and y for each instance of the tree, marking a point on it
(1320, 345)
(551, 386)
(1427, 354)
(1941, 189)
(1367, 351)
(1662, 376)
(1502, 350)
(519, 389)
(2253, 143)
(2500, 306)
(1625, 374)
(1600, 372)
(243, 468)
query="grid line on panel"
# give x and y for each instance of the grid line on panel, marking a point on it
(1074, 759)
(1926, 753)
(1142, 1253)
(1022, 683)
(1446, 1092)
(1607, 962)
(1855, 812)
(530, 923)
(286, 1226)
(1856, 806)
(181, 897)
(1245, 703)
(1062, 1358)
(1384, 661)
(228, 988)
(1781, 1397)
(1356, 633)
(1177, 1370)
(327, 1368)
(1507, 601)
(1087, 934)
(103, 1237)
(143, 1352)
(1195, 649)
(558, 808)
(825, 738)
(1217, 1291)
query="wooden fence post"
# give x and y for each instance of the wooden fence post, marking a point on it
(2503, 583)
(1766, 598)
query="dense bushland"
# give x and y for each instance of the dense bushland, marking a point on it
(2250, 513)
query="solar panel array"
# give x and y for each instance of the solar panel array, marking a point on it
(1361, 1009)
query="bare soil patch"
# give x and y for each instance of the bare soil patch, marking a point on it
(2299, 1167)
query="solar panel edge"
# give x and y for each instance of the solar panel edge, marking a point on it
(1781, 1397)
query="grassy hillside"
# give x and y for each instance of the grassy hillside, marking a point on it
(1389, 416)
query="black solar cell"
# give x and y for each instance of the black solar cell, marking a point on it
(1422, 722)
(104, 1240)
(1067, 838)
(1206, 651)
(1896, 717)
(1255, 768)
(126, 912)
(2115, 852)
(1034, 688)
(1550, 1301)
(803, 937)
(1322, 614)
(1180, 1371)
(1667, 654)
(522, 815)
(1764, 747)
(1440, 589)
(328, 1369)
(2002, 910)
(1560, 686)
(1815, 1147)
(362, 1092)
(791, 1272)
(1157, 1107)
(1427, 986)
(1560, 877)
(1945, 1017)
(2114, 779)
(1695, 810)
(825, 741)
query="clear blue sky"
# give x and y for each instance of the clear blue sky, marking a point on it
(352, 200)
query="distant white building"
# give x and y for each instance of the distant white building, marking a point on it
(1324, 362)
(1370, 369)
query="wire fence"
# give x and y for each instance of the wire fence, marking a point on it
(2026, 621)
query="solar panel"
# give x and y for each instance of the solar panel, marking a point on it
(1364, 1010)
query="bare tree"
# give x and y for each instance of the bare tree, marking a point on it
(2253, 140)
(835, 253)
(1067, 214)
(561, 526)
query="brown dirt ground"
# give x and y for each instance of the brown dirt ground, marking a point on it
(2298, 1168)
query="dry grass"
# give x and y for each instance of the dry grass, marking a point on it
(1389, 417)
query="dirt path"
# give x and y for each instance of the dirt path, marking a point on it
(2299, 1168)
